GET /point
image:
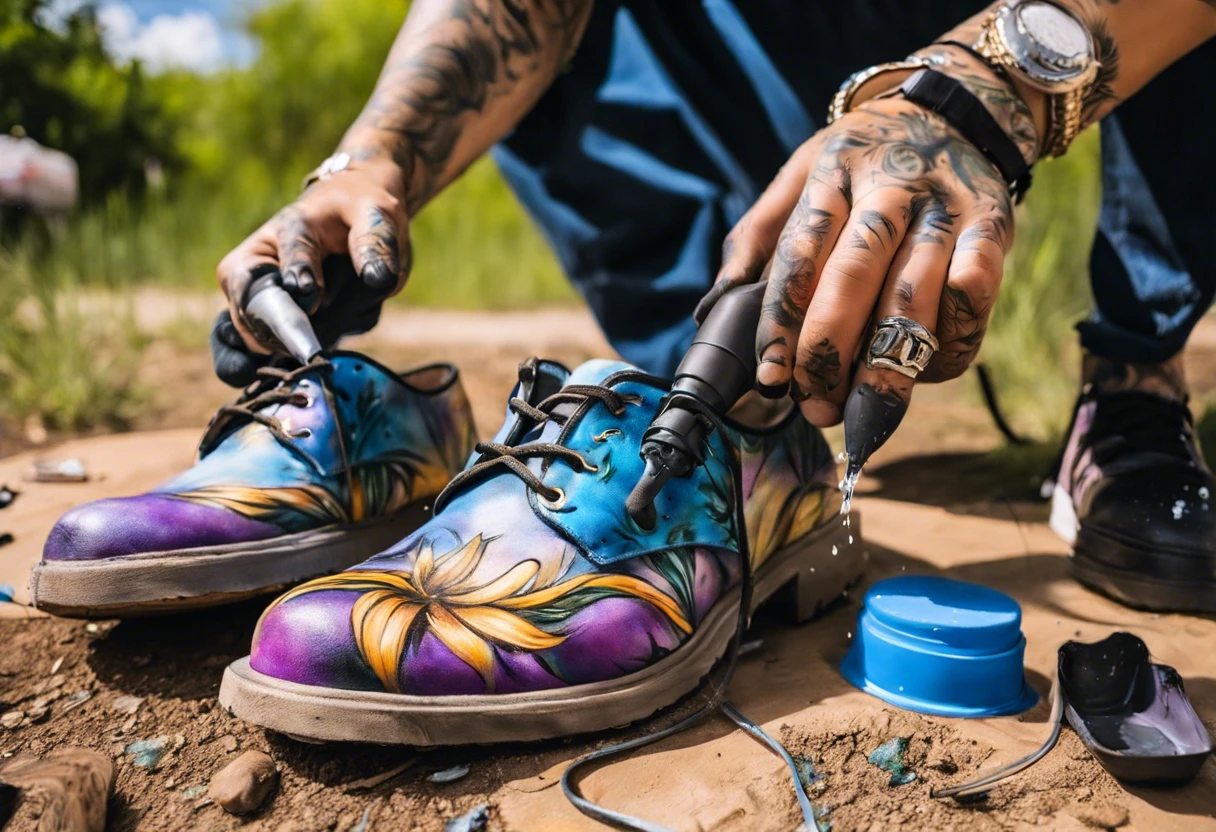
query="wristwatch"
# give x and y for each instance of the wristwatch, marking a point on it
(1049, 48)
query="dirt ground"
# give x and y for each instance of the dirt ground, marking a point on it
(933, 503)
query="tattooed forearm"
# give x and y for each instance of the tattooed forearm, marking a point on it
(1101, 97)
(479, 61)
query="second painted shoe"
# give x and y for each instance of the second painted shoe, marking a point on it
(310, 471)
(531, 605)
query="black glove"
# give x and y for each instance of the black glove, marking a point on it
(353, 308)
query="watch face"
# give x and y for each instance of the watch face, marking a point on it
(1056, 32)
(1050, 45)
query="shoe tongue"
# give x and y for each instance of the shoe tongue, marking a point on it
(589, 374)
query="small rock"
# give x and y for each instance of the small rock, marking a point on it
(1100, 815)
(449, 775)
(228, 742)
(127, 704)
(11, 719)
(38, 713)
(58, 664)
(243, 785)
(474, 820)
(193, 792)
(77, 699)
(147, 753)
(74, 786)
(890, 757)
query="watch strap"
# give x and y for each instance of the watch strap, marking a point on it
(951, 100)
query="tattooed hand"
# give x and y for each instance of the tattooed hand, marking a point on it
(888, 211)
(461, 74)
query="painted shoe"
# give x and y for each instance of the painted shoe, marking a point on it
(530, 605)
(310, 471)
(1138, 503)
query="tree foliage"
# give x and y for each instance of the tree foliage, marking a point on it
(64, 91)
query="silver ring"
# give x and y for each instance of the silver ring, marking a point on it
(901, 344)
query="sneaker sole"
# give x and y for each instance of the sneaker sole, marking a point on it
(320, 714)
(157, 583)
(1135, 588)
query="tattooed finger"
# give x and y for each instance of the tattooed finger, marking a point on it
(380, 251)
(749, 246)
(966, 302)
(299, 255)
(809, 235)
(912, 288)
(851, 280)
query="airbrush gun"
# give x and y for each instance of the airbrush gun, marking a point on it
(718, 369)
(276, 319)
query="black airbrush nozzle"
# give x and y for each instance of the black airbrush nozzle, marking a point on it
(718, 369)
(870, 418)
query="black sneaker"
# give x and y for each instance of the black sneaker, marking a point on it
(1135, 499)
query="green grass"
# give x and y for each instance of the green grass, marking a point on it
(73, 371)
(1031, 347)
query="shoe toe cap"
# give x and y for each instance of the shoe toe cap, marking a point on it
(309, 640)
(1166, 512)
(148, 523)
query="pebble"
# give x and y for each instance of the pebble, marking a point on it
(449, 775)
(243, 785)
(127, 704)
(147, 753)
(11, 719)
(228, 742)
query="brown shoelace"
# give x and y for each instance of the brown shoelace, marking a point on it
(494, 454)
(275, 387)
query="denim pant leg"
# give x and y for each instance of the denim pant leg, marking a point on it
(1153, 265)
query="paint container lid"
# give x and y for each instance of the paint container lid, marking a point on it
(941, 647)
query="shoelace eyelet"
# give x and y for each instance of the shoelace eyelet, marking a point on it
(553, 505)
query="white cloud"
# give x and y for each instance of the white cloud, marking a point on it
(191, 40)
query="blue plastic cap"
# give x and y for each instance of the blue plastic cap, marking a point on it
(942, 647)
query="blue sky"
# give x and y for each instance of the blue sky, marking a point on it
(202, 35)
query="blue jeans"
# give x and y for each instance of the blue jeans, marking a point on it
(675, 115)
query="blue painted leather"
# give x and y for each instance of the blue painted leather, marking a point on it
(698, 510)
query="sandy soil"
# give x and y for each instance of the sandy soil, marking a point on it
(928, 509)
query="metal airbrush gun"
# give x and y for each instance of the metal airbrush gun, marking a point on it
(276, 319)
(718, 369)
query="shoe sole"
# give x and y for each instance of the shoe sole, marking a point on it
(158, 583)
(820, 566)
(1132, 588)
(1135, 588)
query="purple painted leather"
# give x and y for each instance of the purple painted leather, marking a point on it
(353, 442)
(491, 596)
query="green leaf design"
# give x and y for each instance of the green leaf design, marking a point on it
(677, 566)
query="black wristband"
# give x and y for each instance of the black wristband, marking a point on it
(967, 114)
